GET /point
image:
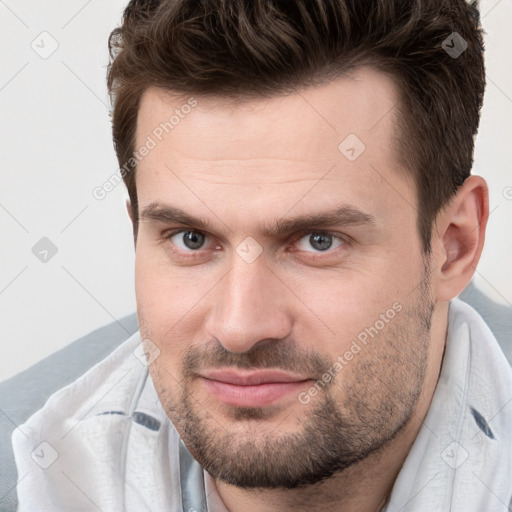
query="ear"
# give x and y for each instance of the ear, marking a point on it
(129, 210)
(458, 237)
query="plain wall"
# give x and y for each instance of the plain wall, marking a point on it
(55, 144)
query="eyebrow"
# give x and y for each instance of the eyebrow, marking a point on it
(345, 215)
(157, 212)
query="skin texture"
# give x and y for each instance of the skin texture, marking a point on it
(240, 167)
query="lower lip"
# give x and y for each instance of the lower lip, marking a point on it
(258, 395)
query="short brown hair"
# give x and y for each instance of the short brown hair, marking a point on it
(252, 48)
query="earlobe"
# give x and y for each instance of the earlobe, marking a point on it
(460, 229)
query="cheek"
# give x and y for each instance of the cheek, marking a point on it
(162, 291)
(348, 301)
(170, 304)
(355, 304)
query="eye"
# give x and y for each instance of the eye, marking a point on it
(319, 241)
(188, 240)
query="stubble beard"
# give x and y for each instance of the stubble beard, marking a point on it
(345, 423)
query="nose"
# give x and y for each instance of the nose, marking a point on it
(250, 306)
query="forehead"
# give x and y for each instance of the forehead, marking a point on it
(361, 102)
(336, 142)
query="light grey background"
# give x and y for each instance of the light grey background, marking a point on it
(55, 148)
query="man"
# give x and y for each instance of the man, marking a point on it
(304, 217)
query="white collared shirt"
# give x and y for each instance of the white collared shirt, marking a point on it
(104, 442)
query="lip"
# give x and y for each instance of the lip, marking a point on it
(253, 388)
(251, 378)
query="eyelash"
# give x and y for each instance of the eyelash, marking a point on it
(166, 236)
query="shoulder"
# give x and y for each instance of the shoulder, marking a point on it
(62, 373)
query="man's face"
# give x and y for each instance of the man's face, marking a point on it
(279, 272)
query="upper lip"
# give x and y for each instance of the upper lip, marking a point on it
(251, 378)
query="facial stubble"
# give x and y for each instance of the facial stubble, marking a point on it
(356, 415)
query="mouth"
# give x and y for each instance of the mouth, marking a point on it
(252, 389)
